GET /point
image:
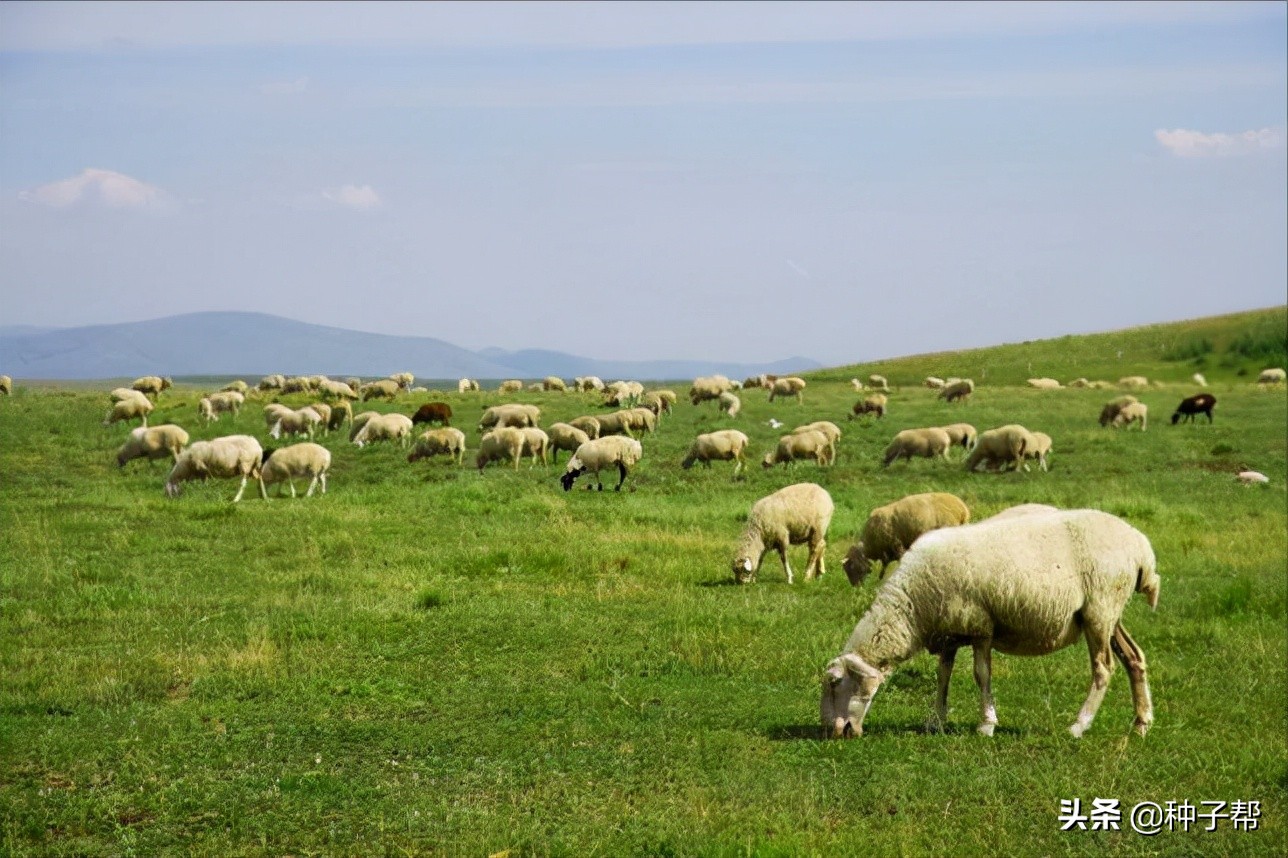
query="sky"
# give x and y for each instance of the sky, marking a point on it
(633, 181)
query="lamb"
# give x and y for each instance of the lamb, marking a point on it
(874, 404)
(6, 385)
(302, 421)
(236, 386)
(552, 382)
(229, 456)
(152, 384)
(926, 443)
(1002, 447)
(1192, 406)
(129, 409)
(1113, 406)
(211, 407)
(589, 425)
(962, 434)
(306, 460)
(730, 404)
(1132, 412)
(385, 388)
(793, 515)
(831, 430)
(515, 414)
(1271, 376)
(403, 379)
(536, 444)
(1134, 382)
(879, 382)
(1198, 379)
(1027, 585)
(466, 385)
(1044, 383)
(810, 444)
(957, 391)
(152, 443)
(447, 440)
(433, 412)
(707, 387)
(510, 385)
(501, 444)
(892, 529)
(564, 436)
(934, 382)
(790, 386)
(599, 453)
(722, 446)
(385, 427)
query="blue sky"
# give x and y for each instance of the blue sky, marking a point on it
(632, 181)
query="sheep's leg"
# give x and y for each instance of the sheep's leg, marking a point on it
(621, 470)
(1098, 647)
(984, 679)
(939, 717)
(290, 481)
(312, 485)
(238, 496)
(263, 492)
(1133, 660)
(814, 567)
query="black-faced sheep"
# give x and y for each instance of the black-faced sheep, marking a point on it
(599, 453)
(892, 529)
(229, 456)
(923, 443)
(449, 441)
(1025, 585)
(151, 443)
(722, 446)
(793, 515)
(306, 461)
(1192, 406)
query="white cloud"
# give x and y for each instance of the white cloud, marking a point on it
(285, 87)
(102, 188)
(1195, 144)
(361, 198)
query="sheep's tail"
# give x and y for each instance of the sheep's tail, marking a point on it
(1147, 582)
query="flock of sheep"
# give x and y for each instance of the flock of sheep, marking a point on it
(1030, 580)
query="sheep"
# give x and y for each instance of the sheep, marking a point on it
(599, 453)
(536, 443)
(236, 386)
(1198, 379)
(810, 444)
(1079, 382)
(1249, 478)
(336, 390)
(129, 409)
(121, 394)
(151, 443)
(433, 412)
(619, 393)
(446, 440)
(873, 404)
(654, 403)
(302, 421)
(274, 412)
(1132, 412)
(1134, 382)
(892, 529)
(708, 387)
(589, 425)
(831, 430)
(1022, 510)
(403, 379)
(152, 384)
(385, 427)
(793, 515)
(1000, 448)
(1113, 406)
(668, 398)
(791, 386)
(640, 420)
(306, 460)
(878, 382)
(501, 444)
(1040, 449)
(856, 384)
(510, 385)
(1044, 383)
(926, 443)
(356, 424)
(957, 391)
(466, 385)
(324, 412)
(298, 384)
(564, 436)
(933, 382)
(513, 414)
(552, 382)
(229, 456)
(616, 423)
(1027, 585)
(270, 382)
(962, 434)
(6, 385)
(1192, 406)
(209, 408)
(589, 383)
(535, 387)
(722, 446)
(341, 413)
(1271, 376)
(385, 388)
(761, 380)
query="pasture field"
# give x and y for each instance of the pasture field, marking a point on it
(433, 661)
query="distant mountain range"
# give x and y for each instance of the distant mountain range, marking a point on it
(255, 344)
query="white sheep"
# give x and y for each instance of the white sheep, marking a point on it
(211, 407)
(925, 443)
(6, 385)
(1132, 412)
(668, 397)
(1044, 383)
(616, 423)
(790, 386)
(1111, 408)
(957, 391)
(336, 390)
(1080, 382)
(761, 380)
(1250, 478)
(1026, 585)
(831, 430)
(793, 515)
(121, 394)
(961, 434)
(298, 384)
(271, 382)
(1040, 449)
(385, 427)
(403, 379)
(236, 386)
(356, 424)
(730, 404)
(810, 444)
(1273, 375)
(933, 382)
(448, 440)
(856, 385)
(555, 383)
(129, 409)
(1198, 379)
(707, 387)
(466, 385)
(1002, 448)
(564, 436)
(341, 413)
(151, 443)
(589, 383)
(515, 414)
(301, 421)
(599, 453)
(640, 420)
(722, 446)
(872, 404)
(1134, 382)
(536, 444)
(384, 388)
(510, 385)
(229, 456)
(892, 529)
(306, 461)
(324, 412)
(536, 387)
(501, 444)
(879, 382)
(619, 393)
(152, 384)
(589, 425)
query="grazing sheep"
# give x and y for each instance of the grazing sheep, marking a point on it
(356, 424)
(668, 398)
(273, 412)
(722, 446)
(1192, 406)
(385, 427)
(589, 425)
(619, 393)
(1132, 412)
(151, 443)
(599, 453)
(795, 515)
(384, 388)
(892, 529)
(707, 387)
(341, 413)
(564, 436)
(466, 385)
(1044, 383)
(1002, 448)
(1113, 406)
(933, 382)
(1198, 379)
(271, 382)
(514, 414)
(229, 456)
(653, 403)
(211, 407)
(403, 379)
(589, 383)
(297, 384)
(856, 384)
(129, 409)
(1271, 376)
(152, 384)
(879, 382)
(1134, 382)
(6, 385)
(957, 391)
(831, 430)
(1249, 478)
(1026, 585)
(535, 387)
(1022, 510)
(1080, 382)
(790, 386)
(641, 420)
(810, 444)
(961, 434)
(730, 404)
(433, 412)
(306, 461)
(121, 394)
(925, 443)
(324, 412)
(1040, 449)
(336, 390)
(552, 382)
(616, 423)
(502, 444)
(435, 441)
(236, 386)
(761, 380)
(873, 404)
(301, 421)
(536, 444)
(510, 385)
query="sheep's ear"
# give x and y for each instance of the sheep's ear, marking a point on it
(858, 668)
(835, 672)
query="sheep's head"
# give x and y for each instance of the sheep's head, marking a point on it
(856, 565)
(744, 569)
(849, 685)
(570, 476)
(768, 461)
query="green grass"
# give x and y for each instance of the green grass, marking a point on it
(432, 661)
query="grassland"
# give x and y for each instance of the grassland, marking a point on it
(433, 661)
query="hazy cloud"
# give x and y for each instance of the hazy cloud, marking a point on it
(1195, 144)
(361, 198)
(97, 187)
(285, 87)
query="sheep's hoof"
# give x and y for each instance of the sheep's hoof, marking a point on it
(985, 729)
(1141, 727)
(935, 724)
(1077, 729)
